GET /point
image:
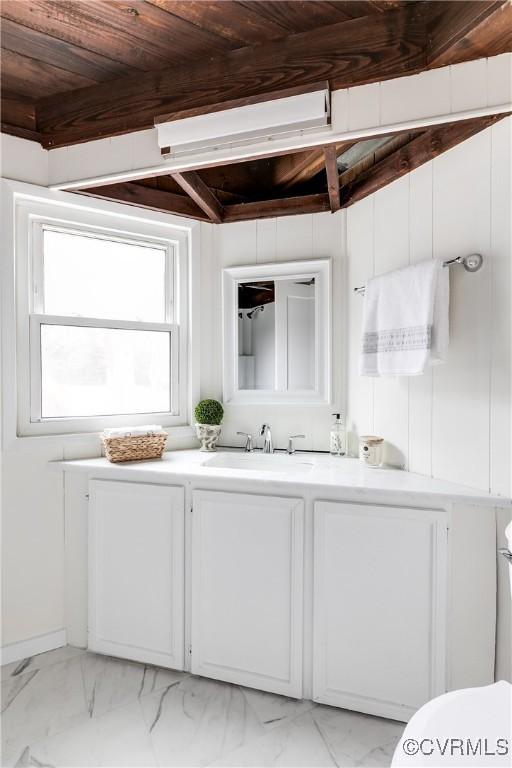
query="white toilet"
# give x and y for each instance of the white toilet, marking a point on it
(470, 727)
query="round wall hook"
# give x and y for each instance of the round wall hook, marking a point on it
(473, 262)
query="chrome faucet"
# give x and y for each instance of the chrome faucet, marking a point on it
(267, 441)
(248, 441)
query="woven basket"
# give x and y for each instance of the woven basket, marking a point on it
(135, 448)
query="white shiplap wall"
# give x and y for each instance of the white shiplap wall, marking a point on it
(282, 239)
(454, 422)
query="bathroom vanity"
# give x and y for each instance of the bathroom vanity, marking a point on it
(305, 575)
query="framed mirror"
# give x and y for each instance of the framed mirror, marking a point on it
(277, 333)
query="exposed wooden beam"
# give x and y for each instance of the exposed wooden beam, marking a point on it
(386, 164)
(354, 52)
(420, 150)
(19, 117)
(19, 131)
(297, 168)
(461, 31)
(168, 202)
(333, 182)
(194, 186)
(168, 184)
(147, 197)
(266, 209)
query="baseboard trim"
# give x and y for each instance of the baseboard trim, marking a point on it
(33, 646)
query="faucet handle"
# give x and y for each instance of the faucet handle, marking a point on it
(248, 443)
(264, 428)
(291, 449)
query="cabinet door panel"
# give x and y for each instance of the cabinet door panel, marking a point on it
(136, 571)
(379, 620)
(247, 590)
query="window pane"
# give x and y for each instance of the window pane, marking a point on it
(103, 371)
(93, 277)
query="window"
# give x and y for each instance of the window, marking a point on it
(106, 327)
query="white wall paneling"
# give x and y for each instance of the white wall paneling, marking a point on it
(420, 387)
(391, 243)
(287, 239)
(447, 422)
(237, 243)
(266, 240)
(500, 427)
(461, 396)
(360, 227)
(362, 107)
(210, 309)
(32, 545)
(454, 422)
(420, 96)
(499, 79)
(76, 504)
(23, 160)
(500, 299)
(468, 84)
(294, 242)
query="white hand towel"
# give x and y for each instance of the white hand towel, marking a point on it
(144, 429)
(405, 325)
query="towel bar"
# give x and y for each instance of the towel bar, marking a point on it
(471, 263)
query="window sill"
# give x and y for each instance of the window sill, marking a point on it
(89, 439)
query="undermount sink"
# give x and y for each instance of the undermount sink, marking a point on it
(289, 465)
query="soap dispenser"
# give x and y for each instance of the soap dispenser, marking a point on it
(338, 442)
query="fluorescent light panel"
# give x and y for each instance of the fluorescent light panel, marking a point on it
(290, 115)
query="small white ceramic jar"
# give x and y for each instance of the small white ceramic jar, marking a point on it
(370, 450)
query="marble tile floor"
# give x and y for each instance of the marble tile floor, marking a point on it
(70, 708)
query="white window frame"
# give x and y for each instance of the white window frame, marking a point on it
(31, 218)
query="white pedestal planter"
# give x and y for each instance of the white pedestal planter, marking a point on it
(208, 435)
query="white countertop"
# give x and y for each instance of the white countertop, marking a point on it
(348, 476)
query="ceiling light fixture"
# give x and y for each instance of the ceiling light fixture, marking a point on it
(265, 118)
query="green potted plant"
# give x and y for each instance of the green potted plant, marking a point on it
(208, 415)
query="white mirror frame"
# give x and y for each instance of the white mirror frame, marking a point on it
(320, 269)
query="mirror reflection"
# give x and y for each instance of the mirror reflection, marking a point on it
(276, 334)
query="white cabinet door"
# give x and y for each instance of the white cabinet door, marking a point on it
(379, 613)
(247, 559)
(136, 571)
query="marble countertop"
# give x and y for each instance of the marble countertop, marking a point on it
(347, 476)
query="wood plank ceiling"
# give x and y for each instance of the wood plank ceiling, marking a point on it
(76, 70)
